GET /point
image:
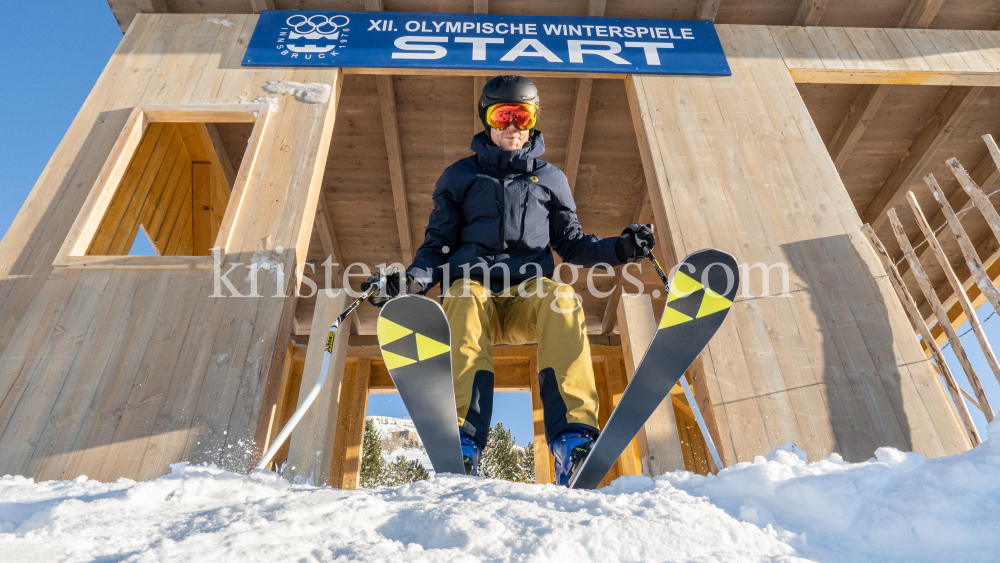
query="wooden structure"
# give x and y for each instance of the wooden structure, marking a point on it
(115, 366)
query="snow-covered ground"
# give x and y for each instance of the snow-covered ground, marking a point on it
(896, 507)
(386, 425)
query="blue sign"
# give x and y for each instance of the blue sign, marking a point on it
(481, 41)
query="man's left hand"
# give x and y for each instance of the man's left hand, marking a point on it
(628, 248)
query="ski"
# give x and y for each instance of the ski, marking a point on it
(415, 340)
(700, 295)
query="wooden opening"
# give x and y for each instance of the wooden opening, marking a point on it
(178, 175)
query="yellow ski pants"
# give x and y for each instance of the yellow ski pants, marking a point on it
(541, 311)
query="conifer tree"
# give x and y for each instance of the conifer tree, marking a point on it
(401, 471)
(373, 466)
(501, 459)
(528, 462)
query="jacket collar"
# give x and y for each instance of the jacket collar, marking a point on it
(508, 163)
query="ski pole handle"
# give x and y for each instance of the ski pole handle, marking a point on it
(279, 440)
(659, 270)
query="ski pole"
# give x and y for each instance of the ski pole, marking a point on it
(684, 384)
(659, 270)
(649, 254)
(314, 392)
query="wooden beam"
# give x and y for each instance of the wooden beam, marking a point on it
(643, 214)
(810, 12)
(940, 313)
(543, 465)
(984, 175)
(354, 435)
(311, 449)
(478, 7)
(328, 236)
(221, 154)
(707, 9)
(956, 285)
(976, 267)
(153, 6)
(201, 208)
(258, 6)
(919, 14)
(854, 124)
(868, 100)
(577, 126)
(934, 134)
(394, 153)
(390, 127)
(659, 444)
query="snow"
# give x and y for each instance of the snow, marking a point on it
(895, 507)
(312, 92)
(221, 21)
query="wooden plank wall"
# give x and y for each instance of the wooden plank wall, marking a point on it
(118, 373)
(156, 193)
(736, 163)
(857, 55)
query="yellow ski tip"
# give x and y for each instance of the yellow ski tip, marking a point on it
(393, 361)
(713, 303)
(672, 317)
(682, 286)
(389, 331)
(429, 348)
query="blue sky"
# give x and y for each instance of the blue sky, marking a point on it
(47, 80)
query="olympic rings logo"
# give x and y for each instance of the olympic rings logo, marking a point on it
(323, 25)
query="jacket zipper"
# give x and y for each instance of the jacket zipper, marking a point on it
(500, 211)
(524, 214)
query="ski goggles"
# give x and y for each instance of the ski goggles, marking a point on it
(500, 116)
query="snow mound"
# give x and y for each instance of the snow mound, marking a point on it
(894, 507)
(312, 92)
(206, 514)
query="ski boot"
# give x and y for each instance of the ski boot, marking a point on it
(570, 448)
(470, 455)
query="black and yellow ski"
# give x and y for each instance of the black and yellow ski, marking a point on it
(700, 296)
(415, 339)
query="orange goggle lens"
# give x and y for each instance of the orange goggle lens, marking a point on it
(500, 116)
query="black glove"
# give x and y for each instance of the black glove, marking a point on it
(627, 248)
(396, 283)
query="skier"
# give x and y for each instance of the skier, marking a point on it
(504, 210)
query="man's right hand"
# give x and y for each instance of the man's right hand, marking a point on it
(396, 283)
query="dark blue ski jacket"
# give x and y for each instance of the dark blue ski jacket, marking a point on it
(504, 207)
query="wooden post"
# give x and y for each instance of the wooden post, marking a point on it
(347, 452)
(310, 452)
(979, 199)
(274, 423)
(201, 207)
(918, 323)
(543, 465)
(629, 463)
(659, 444)
(940, 313)
(994, 150)
(983, 281)
(956, 285)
